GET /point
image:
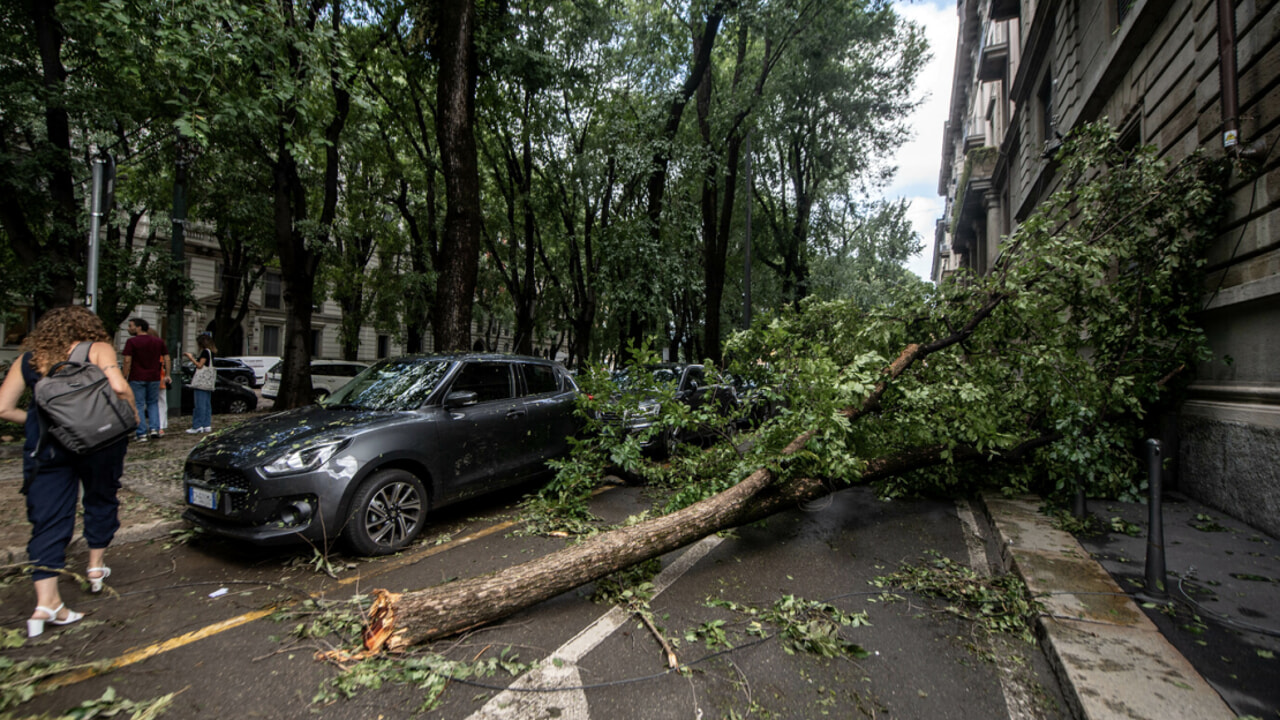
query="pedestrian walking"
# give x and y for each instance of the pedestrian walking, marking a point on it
(146, 359)
(53, 475)
(162, 400)
(202, 415)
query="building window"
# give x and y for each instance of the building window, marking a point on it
(1045, 96)
(217, 277)
(271, 340)
(317, 335)
(384, 346)
(271, 295)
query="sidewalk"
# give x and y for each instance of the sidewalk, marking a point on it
(1123, 657)
(150, 498)
(1224, 586)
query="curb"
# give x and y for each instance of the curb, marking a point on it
(1111, 659)
(14, 557)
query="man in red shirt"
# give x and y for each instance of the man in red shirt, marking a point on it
(146, 358)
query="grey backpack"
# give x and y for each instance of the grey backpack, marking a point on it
(78, 407)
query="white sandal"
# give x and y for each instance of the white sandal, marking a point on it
(35, 626)
(95, 584)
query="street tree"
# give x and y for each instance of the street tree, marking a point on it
(837, 110)
(79, 79)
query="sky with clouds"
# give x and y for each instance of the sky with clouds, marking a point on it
(920, 159)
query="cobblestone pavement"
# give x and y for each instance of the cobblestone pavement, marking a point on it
(150, 499)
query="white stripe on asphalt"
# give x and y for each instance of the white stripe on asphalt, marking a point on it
(560, 669)
(1017, 701)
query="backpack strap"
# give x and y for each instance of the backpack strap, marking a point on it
(77, 350)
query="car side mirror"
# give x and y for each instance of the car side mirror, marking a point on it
(460, 398)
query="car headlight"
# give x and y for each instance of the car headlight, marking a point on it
(304, 459)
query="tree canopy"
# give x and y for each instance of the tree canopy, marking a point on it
(603, 203)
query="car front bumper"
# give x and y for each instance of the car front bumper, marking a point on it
(243, 504)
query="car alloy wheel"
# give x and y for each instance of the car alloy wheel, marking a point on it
(387, 513)
(238, 406)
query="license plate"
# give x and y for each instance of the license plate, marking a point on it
(203, 498)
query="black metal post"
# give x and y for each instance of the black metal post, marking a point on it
(1156, 581)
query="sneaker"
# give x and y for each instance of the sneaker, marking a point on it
(160, 434)
(193, 431)
(206, 429)
(155, 434)
(140, 438)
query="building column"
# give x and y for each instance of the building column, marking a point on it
(991, 203)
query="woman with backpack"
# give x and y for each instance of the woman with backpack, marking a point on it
(52, 474)
(202, 414)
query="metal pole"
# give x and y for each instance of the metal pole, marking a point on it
(1156, 582)
(746, 270)
(96, 211)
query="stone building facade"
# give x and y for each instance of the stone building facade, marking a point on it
(1027, 71)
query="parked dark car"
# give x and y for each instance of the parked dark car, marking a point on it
(228, 396)
(368, 463)
(232, 370)
(692, 387)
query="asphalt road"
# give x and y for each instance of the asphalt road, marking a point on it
(162, 633)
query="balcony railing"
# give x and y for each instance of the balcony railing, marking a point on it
(993, 54)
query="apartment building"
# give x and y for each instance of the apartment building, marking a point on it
(263, 330)
(1027, 71)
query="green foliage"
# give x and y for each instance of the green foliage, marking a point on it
(109, 706)
(630, 587)
(997, 604)
(18, 678)
(805, 625)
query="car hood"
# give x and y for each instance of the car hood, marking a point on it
(258, 440)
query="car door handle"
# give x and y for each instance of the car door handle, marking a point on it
(514, 413)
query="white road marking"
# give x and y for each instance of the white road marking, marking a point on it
(560, 669)
(1017, 701)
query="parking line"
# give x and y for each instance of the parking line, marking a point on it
(434, 550)
(150, 651)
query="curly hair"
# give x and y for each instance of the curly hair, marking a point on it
(205, 341)
(58, 329)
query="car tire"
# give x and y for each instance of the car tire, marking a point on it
(243, 381)
(319, 395)
(387, 513)
(237, 406)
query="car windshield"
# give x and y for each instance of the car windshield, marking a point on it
(661, 376)
(399, 384)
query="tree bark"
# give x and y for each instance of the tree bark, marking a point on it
(455, 135)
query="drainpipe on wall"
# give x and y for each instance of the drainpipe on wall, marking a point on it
(1227, 76)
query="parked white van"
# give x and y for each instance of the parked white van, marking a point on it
(260, 364)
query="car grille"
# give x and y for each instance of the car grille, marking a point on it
(232, 484)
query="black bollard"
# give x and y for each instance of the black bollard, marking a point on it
(1156, 583)
(1080, 505)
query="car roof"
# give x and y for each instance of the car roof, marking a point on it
(480, 357)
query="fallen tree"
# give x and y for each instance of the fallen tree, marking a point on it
(1042, 371)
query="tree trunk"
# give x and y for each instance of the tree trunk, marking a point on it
(425, 615)
(455, 135)
(63, 251)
